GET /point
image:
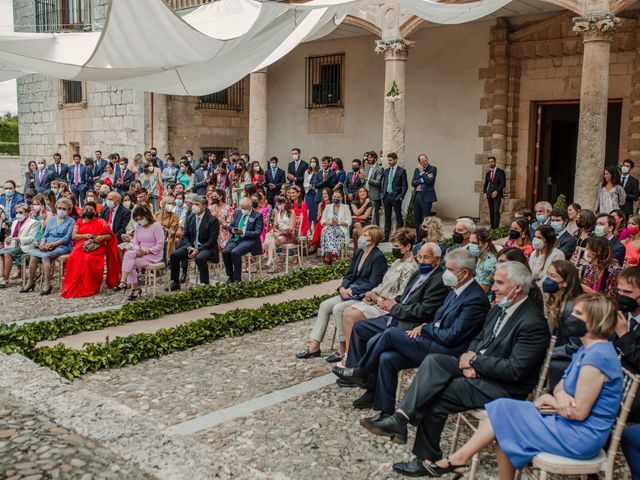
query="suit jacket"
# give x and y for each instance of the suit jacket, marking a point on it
(208, 235)
(64, 169)
(619, 251)
(320, 182)
(99, 167)
(512, 361)
(129, 177)
(199, 186)
(427, 184)
(299, 173)
(422, 304)
(370, 274)
(45, 184)
(351, 186)
(399, 185)
(567, 243)
(458, 320)
(29, 182)
(253, 229)
(123, 217)
(375, 181)
(82, 177)
(10, 206)
(498, 184)
(632, 189)
(278, 179)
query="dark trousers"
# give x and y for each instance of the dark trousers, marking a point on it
(438, 390)
(232, 257)
(78, 191)
(396, 206)
(494, 211)
(421, 210)
(376, 211)
(363, 332)
(631, 447)
(202, 261)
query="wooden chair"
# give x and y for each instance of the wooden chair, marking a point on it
(295, 247)
(150, 275)
(249, 260)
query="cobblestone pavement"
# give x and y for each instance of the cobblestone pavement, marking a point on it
(33, 447)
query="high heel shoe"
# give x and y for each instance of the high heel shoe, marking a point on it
(28, 288)
(46, 292)
(136, 293)
(121, 286)
(434, 470)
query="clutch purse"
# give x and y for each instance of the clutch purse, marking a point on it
(90, 245)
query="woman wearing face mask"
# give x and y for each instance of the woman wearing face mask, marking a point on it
(482, 248)
(20, 241)
(30, 177)
(55, 242)
(310, 189)
(601, 273)
(126, 201)
(519, 236)
(632, 242)
(148, 246)
(611, 195)
(335, 228)
(283, 231)
(185, 174)
(49, 202)
(170, 222)
(620, 231)
(93, 241)
(257, 175)
(545, 251)
(92, 196)
(584, 404)
(151, 180)
(430, 231)
(327, 201)
(224, 214)
(361, 210)
(341, 175)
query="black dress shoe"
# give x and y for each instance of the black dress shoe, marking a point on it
(394, 427)
(365, 402)
(414, 468)
(307, 354)
(183, 277)
(174, 286)
(334, 358)
(343, 384)
(357, 376)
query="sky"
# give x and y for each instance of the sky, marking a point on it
(8, 97)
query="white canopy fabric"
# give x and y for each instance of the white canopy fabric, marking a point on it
(205, 51)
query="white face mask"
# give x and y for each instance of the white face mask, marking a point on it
(313, 164)
(143, 222)
(127, 204)
(274, 165)
(363, 242)
(625, 169)
(295, 157)
(19, 217)
(256, 168)
(55, 191)
(449, 278)
(171, 208)
(599, 231)
(110, 203)
(537, 244)
(195, 210)
(41, 166)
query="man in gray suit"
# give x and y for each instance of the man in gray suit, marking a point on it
(373, 173)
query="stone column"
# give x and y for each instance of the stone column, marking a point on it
(597, 35)
(258, 116)
(160, 134)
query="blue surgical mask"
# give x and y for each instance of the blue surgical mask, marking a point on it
(62, 213)
(541, 218)
(549, 285)
(557, 226)
(425, 268)
(474, 249)
(506, 301)
(8, 192)
(363, 242)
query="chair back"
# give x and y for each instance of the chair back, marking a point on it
(544, 371)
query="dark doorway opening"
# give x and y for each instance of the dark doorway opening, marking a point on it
(556, 147)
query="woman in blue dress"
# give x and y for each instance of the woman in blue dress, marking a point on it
(585, 402)
(55, 242)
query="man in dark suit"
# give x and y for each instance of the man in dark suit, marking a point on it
(296, 169)
(246, 227)
(566, 241)
(354, 180)
(201, 242)
(605, 226)
(201, 178)
(77, 178)
(123, 176)
(42, 177)
(374, 173)
(424, 183)
(394, 188)
(494, 182)
(503, 361)
(422, 297)
(274, 179)
(99, 165)
(630, 185)
(58, 168)
(116, 215)
(323, 178)
(456, 323)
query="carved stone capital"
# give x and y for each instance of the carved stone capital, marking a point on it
(596, 27)
(397, 49)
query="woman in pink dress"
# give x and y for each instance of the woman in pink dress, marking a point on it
(224, 214)
(259, 203)
(148, 243)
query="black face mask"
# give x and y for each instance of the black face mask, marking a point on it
(355, 168)
(254, 204)
(574, 327)
(514, 234)
(103, 195)
(88, 215)
(579, 224)
(457, 238)
(396, 253)
(626, 304)
(215, 200)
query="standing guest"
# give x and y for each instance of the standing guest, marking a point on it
(361, 209)
(519, 236)
(55, 242)
(611, 195)
(240, 177)
(566, 241)
(424, 183)
(157, 161)
(324, 178)
(76, 178)
(572, 212)
(630, 185)
(170, 223)
(185, 174)
(99, 165)
(246, 228)
(192, 160)
(341, 175)
(58, 168)
(257, 175)
(220, 177)
(148, 246)
(605, 225)
(124, 176)
(43, 177)
(310, 189)
(543, 211)
(201, 178)
(224, 214)
(170, 171)
(482, 248)
(138, 164)
(30, 177)
(394, 188)
(632, 242)
(90, 174)
(335, 228)
(296, 169)
(19, 242)
(375, 173)
(200, 241)
(283, 231)
(151, 181)
(116, 215)
(601, 274)
(94, 241)
(353, 181)
(10, 199)
(300, 209)
(493, 188)
(544, 253)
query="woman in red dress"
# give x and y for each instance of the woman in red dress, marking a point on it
(85, 265)
(326, 200)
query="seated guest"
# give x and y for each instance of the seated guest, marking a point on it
(620, 231)
(148, 248)
(142, 196)
(601, 273)
(482, 248)
(519, 236)
(605, 225)
(10, 199)
(223, 213)
(283, 231)
(586, 403)
(461, 232)
(543, 211)
(566, 241)
(300, 208)
(326, 201)
(424, 294)
(336, 219)
(544, 252)
(94, 241)
(260, 205)
(199, 241)
(430, 231)
(116, 215)
(365, 272)
(170, 222)
(245, 229)
(20, 241)
(503, 361)
(361, 210)
(525, 213)
(393, 284)
(632, 242)
(514, 254)
(179, 203)
(455, 324)
(572, 212)
(55, 242)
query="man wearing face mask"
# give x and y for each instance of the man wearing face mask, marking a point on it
(353, 181)
(543, 210)
(245, 229)
(10, 198)
(566, 241)
(605, 225)
(630, 185)
(296, 169)
(115, 215)
(374, 172)
(503, 361)
(456, 323)
(274, 178)
(461, 232)
(42, 177)
(201, 178)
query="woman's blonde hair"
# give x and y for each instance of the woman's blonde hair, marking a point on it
(432, 227)
(601, 314)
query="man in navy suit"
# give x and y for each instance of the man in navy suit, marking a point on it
(456, 323)
(10, 198)
(274, 179)
(394, 188)
(99, 165)
(76, 178)
(58, 168)
(354, 180)
(424, 183)
(323, 178)
(245, 229)
(123, 176)
(605, 226)
(201, 178)
(493, 188)
(296, 169)
(43, 177)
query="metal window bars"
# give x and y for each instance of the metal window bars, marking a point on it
(231, 98)
(71, 91)
(324, 81)
(61, 15)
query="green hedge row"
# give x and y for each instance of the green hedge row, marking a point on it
(11, 149)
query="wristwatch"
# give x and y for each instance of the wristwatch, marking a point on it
(473, 359)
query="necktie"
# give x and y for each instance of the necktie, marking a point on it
(324, 175)
(633, 323)
(241, 224)
(77, 175)
(198, 220)
(110, 217)
(392, 172)
(493, 174)
(353, 180)
(57, 169)
(40, 177)
(624, 181)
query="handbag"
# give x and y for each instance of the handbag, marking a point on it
(90, 245)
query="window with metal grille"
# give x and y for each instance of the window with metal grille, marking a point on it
(324, 81)
(219, 152)
(56, 15)
(231, 98)
(71, 91)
